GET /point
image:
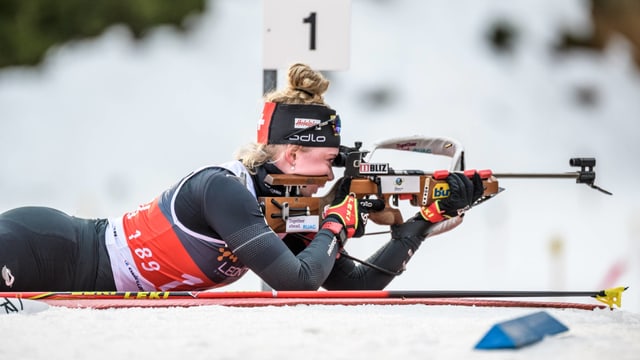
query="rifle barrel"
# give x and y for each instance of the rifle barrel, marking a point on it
(538, 175)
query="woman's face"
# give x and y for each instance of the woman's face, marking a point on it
(314, 161)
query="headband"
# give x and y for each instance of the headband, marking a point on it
(299, 124)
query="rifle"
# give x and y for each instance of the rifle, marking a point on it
(291, 213)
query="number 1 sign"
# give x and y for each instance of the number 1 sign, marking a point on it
(316, 32)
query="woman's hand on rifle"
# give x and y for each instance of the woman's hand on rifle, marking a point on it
(348, 213)
(463, 192)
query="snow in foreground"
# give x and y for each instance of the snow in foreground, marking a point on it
(307, 332)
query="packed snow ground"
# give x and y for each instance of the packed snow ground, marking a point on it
(308, 332)
(106, 124)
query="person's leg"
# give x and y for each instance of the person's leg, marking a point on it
(38, 250)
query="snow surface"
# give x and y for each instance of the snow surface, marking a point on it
(108, 123)
(308, 332)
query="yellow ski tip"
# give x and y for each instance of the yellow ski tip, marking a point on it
(611, 296)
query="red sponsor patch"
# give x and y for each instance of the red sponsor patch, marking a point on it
(265, 122)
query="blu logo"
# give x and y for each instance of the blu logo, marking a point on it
(441, 191)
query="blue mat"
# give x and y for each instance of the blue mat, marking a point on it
(521, 331)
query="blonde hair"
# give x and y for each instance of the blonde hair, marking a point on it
(304, 86)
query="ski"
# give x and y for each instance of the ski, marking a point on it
(610, 297)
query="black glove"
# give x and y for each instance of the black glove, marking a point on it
(478, 187)
(350, 212)
(463, 192)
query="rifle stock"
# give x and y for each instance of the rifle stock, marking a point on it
(419, 190)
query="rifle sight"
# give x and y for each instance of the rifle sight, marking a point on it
(586, 175)
(346, 153)
(582, 162)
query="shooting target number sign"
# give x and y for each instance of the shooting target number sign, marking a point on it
(315, 32)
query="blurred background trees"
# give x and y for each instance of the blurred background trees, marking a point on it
(609, 18)
(29, 28)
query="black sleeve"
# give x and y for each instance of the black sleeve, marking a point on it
(349, 275)
(393, 256)
(234, 213)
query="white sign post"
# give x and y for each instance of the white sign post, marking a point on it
(315, 32)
